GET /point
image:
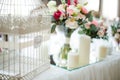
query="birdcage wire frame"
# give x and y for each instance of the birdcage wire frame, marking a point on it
(24, 30)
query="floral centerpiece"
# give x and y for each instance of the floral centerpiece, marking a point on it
(115, 28)
(70, 17)
(116, 32)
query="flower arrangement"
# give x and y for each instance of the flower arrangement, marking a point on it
(116, 31)
(67, 15)
(73, 16)
(94, 30)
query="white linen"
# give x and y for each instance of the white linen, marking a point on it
(109, 69)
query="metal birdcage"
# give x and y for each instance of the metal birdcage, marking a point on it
(24, 34)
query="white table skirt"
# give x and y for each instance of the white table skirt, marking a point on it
(109, 69)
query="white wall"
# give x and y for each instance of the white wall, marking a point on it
(110, 8)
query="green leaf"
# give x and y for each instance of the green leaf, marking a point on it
(89, 16)
(53, 28)
(93, 28)
(63, 1)
(81, 32)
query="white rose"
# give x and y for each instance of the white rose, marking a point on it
(51, 4)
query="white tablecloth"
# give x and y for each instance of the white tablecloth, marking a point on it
(109, 69)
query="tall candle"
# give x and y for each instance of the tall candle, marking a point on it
(73, 60)
(68, 2)
(102, 52)
(84, 49)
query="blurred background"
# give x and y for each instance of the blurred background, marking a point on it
(109, 9)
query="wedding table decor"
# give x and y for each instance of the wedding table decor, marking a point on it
(68, 17)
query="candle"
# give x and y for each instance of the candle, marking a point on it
(68, 2)
(102, 52)
(84, 49)
(73, 60)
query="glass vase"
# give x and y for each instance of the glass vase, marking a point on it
(64, 52)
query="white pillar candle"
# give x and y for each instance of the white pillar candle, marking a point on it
(73, 60)
(102, 52)
(84, 49)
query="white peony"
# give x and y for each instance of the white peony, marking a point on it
(71, 23)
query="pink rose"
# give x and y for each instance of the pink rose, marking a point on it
(57, 15)
(84, 10)
(94, 23)
(70, 11)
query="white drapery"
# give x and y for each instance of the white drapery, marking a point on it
(109, 69)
